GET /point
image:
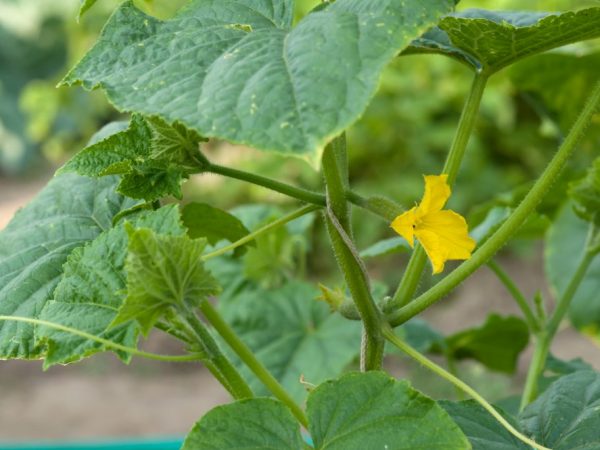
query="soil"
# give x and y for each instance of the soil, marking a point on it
(101, 397)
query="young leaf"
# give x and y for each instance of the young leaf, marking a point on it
(203, 220)
(70, 212)
(496, 344)
(564, 248)
(293, 335)
(237, 71)
(371, 410)
(483, 430)
(492, 40)
(565, 416)
(163, 272)
(257, 423)
(152, 156)
(89, 294)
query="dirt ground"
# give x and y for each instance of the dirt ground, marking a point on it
(103, 398)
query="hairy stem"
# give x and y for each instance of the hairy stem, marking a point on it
(268, 227)
(335, 171)
(395, 340)
(216, 361)
(517, 295)
(510, 225)
(246, 355)
(545, 337)
(412, 275)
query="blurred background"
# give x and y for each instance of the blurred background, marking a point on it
(405, 133)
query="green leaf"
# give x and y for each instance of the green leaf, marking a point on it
(585, 193)
(372, 410)
(85, 5)
(565, 416)
(492, 40)
(257, 423)
(559, 82)
(152, 156)
(203, 220)
(564, 248)
(163, 272)
(70, 212)
(293, 335)
(556, 368)
(386, 247)
(90, 292)
(234, 69)
(496, 344)
(483, 430)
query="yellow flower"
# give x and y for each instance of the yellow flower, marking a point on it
(443, 234)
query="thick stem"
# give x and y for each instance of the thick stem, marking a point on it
(335, 171)
(217, 363)
(511, 225)
(268, 227)
(246, 355)
(395, 340)
(545, 337)
(412, 275)
(511, 287)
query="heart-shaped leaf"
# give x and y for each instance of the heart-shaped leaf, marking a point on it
(236, 70)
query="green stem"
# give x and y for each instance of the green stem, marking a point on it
(105, 342)
(246, 355)
(304, 195)
(517, 295)
(391, 337)
(412, 275)
(268, 227)
(338, 225)
(511, 225)
(216, 361)
(545, 337)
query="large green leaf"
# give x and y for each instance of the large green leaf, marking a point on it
(496, 344)
(234, 69)
(70, 212)
(90, 292)
(492, 40)
(258, 423)
(293, 335)
(565, 244)
(359, 411)
(152, 156)
(483, 430)
(163, 272)
(373, 411)
(565, 416)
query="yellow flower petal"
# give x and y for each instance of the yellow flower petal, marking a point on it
(444, 235)
(404, 225)
(436, 194)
